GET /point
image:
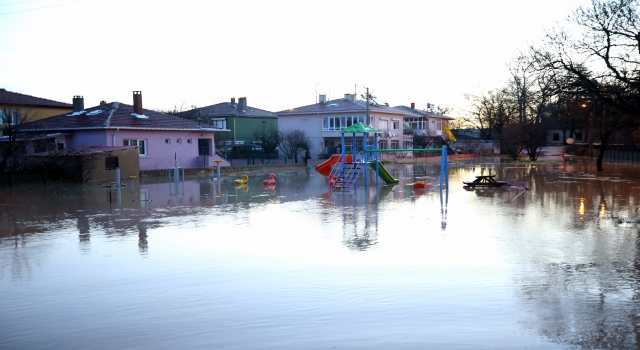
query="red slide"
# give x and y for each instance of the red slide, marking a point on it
(325, 167)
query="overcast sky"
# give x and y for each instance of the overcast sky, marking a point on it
(278, 54)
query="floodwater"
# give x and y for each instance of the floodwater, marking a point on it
(203, 264)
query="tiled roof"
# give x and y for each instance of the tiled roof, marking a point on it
(422, 113)
(226, 109)
(16, 99)
(114, 115)
(83, 150)
(345, 105)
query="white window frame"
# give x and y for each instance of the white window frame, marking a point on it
(219, 123)
(15, 117)
(337, 123)
(141, 143)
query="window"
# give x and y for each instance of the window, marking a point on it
(339, 123)
(407, 144)
(60, 146)
(219, 123)
(189, 141)
(10, 117)
(556, 136)
(142, 145)
(417, 123)
(395, 144)
(578, 136)
(348, 146)
(384, 124)
(167, 141)
(396, 125)
(179, 141)
(382, 144)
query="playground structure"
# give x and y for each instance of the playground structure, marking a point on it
(242, 181)
(344, 169)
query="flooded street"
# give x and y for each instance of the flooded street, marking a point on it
(203, 264)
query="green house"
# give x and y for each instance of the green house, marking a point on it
(239, 122)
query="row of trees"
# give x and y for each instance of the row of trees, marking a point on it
(584, 77)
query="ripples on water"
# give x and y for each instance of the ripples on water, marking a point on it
(208, 265)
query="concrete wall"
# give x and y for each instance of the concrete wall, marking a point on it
(228, 170)
(128, 165)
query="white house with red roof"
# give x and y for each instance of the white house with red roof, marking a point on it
(162, 140)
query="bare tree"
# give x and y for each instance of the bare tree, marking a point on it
(601, 63)
(13, 115)
(490, 112)
(268, 138)
(293, 142)
(187, 112)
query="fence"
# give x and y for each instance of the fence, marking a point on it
(622, 156)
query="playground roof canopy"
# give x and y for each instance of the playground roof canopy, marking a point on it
(359, 128)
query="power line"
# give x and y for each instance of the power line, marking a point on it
(41, 8)
(18, 2)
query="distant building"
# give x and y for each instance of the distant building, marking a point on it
(427, 123)
(322, 122)
(16, 108)
(238, 119)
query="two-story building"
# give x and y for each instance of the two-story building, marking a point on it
(16, 108)
(427, 123)
(322, 121)
(240, 120)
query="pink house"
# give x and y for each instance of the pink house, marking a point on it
(162, 140)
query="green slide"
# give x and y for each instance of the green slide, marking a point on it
(384, 174)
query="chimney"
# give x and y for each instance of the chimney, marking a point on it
(323, 98)
(103, 102)
(413, 105)
(137, 102)
(242, 103)
(350, 96)
(233, 101)
(78, 103)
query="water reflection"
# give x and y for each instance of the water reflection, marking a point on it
(557, 265)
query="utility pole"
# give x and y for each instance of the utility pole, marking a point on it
(368, 121)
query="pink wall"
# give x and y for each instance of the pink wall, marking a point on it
(160, 153)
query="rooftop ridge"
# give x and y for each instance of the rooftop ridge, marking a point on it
(114, 107)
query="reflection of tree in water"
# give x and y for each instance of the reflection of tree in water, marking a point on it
(592, 305)
(582, 286)
(143, 244)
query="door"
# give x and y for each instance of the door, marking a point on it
(204, 147)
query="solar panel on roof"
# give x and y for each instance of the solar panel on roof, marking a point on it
(377, 101)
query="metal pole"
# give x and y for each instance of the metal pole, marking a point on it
(118, 177)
